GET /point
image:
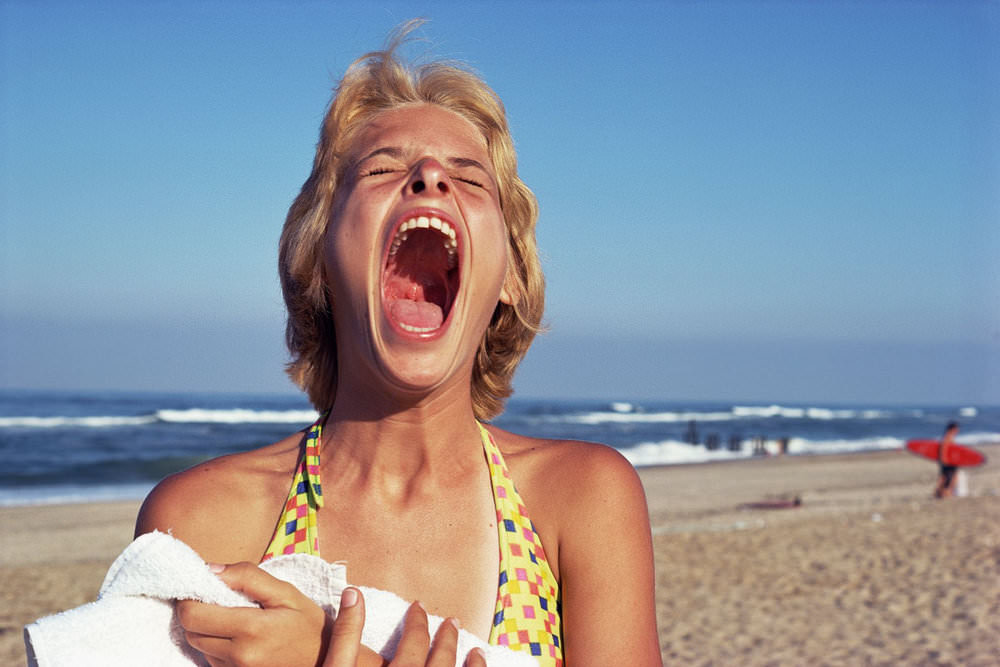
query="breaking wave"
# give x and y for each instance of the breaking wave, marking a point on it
(625, 413)
(189, 416)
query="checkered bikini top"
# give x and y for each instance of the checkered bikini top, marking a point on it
(527, 613)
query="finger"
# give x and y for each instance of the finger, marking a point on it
(413, 645)
(345, 638)
(476, 658)
(260, 586)
(213, 648)
(445, 645)
(214, 620)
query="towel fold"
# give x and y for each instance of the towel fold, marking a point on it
(133, 621)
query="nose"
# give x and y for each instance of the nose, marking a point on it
(428, 179)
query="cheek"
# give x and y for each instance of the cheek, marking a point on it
(499, 264)
(346, 244)
(345, 269)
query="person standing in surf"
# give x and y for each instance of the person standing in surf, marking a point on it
(411, 277)
(945, 487)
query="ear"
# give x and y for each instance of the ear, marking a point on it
(509, 293)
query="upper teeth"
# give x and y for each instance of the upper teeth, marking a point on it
(425, 222)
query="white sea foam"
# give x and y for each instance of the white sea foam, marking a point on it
(237, 416)
(768, 411)
(803, 446)
(978, 438)
(625, 413)
(192, 416)
(785, 412)
(72, 422)
(594, 418)
(69, 493)
(675, 452)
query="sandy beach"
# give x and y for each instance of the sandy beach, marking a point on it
(868, 570)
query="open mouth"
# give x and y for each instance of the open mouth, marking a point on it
(420, 278)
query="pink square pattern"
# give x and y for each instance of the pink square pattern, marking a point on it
(526, 616)
(296, 530)
(527, 609)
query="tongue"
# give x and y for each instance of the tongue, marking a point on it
(420, 314)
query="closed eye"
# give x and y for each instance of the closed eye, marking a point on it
(470, 181)
(376, 171)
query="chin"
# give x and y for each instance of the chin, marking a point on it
(417, 371)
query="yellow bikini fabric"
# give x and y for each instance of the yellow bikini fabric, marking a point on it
(527, 613)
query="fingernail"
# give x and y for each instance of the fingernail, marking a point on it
(216, 567)
(348, 598)
(454, 623)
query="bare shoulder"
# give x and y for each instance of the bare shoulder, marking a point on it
(568, 483)
(224, 508)
(588, 505)
(584, 469)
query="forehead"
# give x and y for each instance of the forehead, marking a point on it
(423, 129)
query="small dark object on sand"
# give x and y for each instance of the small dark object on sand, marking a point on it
(780, 504)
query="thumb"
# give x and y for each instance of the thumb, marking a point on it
(258, 585)
(476, 658)
(345, 639)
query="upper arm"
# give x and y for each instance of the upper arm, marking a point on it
(606, 565)
(169, 506)
(179, 505)
(203, 509)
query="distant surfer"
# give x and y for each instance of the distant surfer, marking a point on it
(946, 479)
(952, 459)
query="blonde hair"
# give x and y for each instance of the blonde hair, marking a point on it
(377, 82)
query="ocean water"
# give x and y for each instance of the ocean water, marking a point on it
(85, 446)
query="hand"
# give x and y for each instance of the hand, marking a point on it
(289, 629)
(414, 648)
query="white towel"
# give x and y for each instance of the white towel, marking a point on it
(133, 622)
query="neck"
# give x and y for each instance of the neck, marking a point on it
(387, 438)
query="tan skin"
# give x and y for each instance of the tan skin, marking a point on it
(408, 498)
(943, 489)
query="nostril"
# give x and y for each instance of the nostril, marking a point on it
(442, 186)
(417, 187)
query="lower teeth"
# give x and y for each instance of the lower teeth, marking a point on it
(412, 329)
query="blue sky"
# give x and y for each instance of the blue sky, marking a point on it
(739, 201)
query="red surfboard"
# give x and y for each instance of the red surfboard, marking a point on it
(958, 455)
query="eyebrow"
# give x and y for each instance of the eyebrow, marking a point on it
(391, 151)
(467, 162)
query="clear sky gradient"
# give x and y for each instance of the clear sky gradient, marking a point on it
(761, 201)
